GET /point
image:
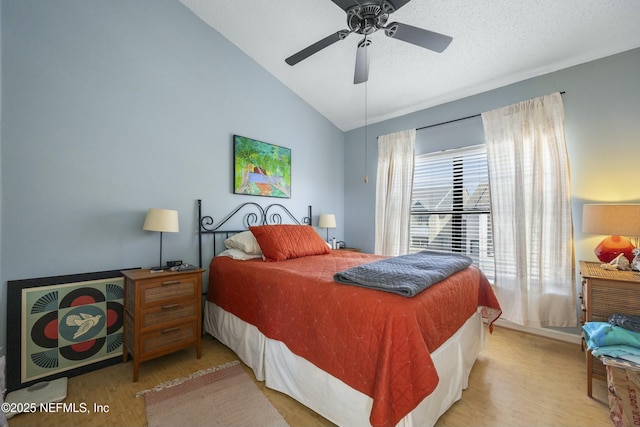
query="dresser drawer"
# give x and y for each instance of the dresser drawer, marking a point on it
(160, 292)
(606, 300)
(168, 313)
(167, 339)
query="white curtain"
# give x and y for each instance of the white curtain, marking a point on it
(393, 192)
(531, 212)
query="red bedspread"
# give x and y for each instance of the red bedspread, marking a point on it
(377, 342)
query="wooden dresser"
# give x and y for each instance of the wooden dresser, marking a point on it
(163, 313)
(605, 292)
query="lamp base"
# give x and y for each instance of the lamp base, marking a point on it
(613, 246)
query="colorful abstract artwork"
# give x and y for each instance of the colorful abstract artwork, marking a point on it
(261, 169)
(65, 328)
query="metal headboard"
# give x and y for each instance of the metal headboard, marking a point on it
(250, 213)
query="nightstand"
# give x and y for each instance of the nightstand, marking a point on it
(162, 313)
(349, 249)
(605, 292)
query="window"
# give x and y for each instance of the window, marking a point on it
(450, 207)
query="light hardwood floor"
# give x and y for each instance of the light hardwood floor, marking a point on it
(519, 380)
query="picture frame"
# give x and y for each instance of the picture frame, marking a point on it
(63, 326)
(260, 168)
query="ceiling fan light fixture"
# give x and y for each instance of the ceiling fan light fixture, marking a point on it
(367, 19)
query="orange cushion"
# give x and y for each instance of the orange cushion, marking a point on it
(286, 241)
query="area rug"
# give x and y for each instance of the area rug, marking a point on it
(221, 396)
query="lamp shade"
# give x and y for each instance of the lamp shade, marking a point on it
(327, 221)
(163, 220)
(614, 221)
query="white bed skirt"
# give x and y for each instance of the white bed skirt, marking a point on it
(272, 362)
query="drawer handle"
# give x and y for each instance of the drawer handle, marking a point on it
(170, 282)
(169, 330)
(169, 306)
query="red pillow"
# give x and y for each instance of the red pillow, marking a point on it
(281, 242)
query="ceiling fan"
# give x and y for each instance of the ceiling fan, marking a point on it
(366, 17)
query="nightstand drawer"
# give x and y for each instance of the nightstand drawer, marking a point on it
(162, 313)
(168, 313)
(167, 290)
(166, 339)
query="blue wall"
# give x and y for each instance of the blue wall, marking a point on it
(112, 107)
(602, 112)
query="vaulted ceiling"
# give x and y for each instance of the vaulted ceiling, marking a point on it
(495, 43)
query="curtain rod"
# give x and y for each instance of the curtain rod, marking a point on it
(457, 120)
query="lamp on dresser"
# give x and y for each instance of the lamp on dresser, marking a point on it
(162, 220)
(616, 221)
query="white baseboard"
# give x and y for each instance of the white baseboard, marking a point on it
(544, 332)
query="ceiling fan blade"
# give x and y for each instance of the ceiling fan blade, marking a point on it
(418, 36)
(346, 4)
(316, 47)
(361, 74)
(397, 4)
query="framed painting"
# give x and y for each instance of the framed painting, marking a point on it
(63, 326)
(260, 168)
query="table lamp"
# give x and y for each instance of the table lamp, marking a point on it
(162, 220)
(327, 221)
(616, 221)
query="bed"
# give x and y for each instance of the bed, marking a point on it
(354, 355)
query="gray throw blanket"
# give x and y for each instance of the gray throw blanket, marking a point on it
(406, 275)
(626, 321)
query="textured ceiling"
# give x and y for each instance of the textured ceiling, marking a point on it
(495, 43)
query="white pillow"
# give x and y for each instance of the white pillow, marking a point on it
(238, 254)
(245, 241)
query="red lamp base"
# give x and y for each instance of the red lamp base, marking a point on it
(613, 246)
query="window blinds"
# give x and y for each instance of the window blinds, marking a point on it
(450, 208)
